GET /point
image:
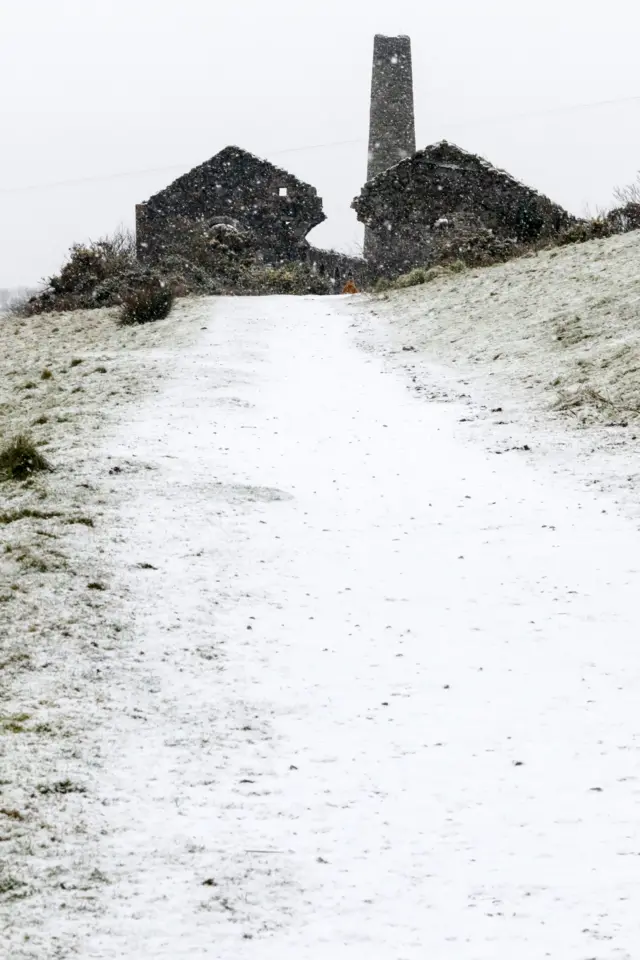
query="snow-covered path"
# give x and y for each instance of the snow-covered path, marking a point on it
(383, 698)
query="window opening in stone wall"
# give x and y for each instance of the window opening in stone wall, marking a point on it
(283, 191)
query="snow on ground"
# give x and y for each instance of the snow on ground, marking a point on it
(375, 689)
(53, 672)
(544, 351)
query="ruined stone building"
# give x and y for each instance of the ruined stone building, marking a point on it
(233, 187)
(418, 208)
(441, 203)
(445, 204)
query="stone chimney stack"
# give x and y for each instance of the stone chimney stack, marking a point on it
(392, 131)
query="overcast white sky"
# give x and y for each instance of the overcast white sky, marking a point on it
(92, 88)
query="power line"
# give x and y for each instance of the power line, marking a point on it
(147, 170)
(99, 179)
(570, 108)
(504, 118)
(318, 146)
(508, 118)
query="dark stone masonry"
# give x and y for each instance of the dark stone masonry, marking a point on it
(339, 267)
(419, 209)
(392, 129)
(234, 187)
(445, 204)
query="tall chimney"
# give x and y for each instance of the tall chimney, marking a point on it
(392, 131)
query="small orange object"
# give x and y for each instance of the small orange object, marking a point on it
(350, 287)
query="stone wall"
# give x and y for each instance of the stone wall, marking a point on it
(444, 204)
(339, 267)
(234, 186)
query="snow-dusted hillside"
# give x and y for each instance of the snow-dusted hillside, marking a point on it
(305, 651)
(562, 325)
(544, 351)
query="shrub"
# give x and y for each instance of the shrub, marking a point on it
(90, 268)
(207, 257)
(292, 279)
(585, 230)
(212, 258)
(606, 224)
(88, 265)
(625, 218)
(412, 279)
(419, 276)
(150, 302)
(434, 273)
(482, 249)
(21, 458)
(457, 266)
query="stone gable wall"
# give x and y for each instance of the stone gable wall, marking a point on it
(443, 204)
(278, 209)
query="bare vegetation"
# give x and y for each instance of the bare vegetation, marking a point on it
(420, 276)
(20, 459)
(152, 301)
(292, 279)
(89, 278)
(629, 194)
(622, 219)
(12, 516)
(203, 259)
(61, 787)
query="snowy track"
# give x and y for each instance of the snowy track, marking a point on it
(383, 697)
